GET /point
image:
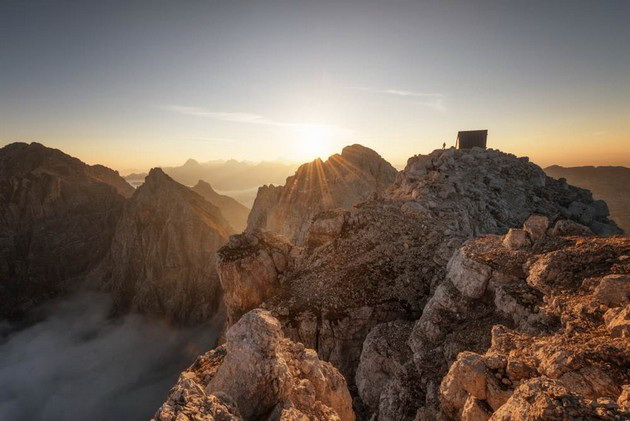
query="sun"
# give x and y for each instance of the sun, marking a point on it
(315, 141)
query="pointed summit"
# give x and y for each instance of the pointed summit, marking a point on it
(162, 257)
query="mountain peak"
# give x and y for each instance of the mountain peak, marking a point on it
(157, 176)
(203, 185)
(191, 163)
(341, 181)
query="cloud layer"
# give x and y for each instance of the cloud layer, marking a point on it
(77, 364)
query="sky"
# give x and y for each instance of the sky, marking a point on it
(136, 84)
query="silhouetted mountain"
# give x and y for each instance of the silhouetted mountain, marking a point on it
(57, 218)
(611, 184)
(235, 213)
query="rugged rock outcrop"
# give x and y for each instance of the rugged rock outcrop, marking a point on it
(57, 218)
(251, 267)
(381, 260)
(258, 374)
(565, 354)
(341, 181)
(162, 257)
(611, 184)
(538, 308)
(384, 292)
(234, 212)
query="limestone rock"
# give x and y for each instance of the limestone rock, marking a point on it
(384, 258)
(516, 239)
(259, 372)
(384, 353)
(249, 268)
(618, 321)
(536, 227)
(611, 184)
(57, 219)
(162, 257)
(613, 290)
(567, 227)
(558, 341)
(341, 181)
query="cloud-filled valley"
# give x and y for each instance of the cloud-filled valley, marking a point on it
(75, 362)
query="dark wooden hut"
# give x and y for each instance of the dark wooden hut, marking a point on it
(472, 138)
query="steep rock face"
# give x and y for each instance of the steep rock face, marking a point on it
(250, 269)
(380, 260)
(234, 212)
(341, 181)
(162, 257)
(57, 218)
(258, 374)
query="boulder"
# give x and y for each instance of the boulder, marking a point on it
(516, 239)
(567, 227)
(536, 227)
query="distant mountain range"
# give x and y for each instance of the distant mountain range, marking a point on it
(239, 179)
(611, 184)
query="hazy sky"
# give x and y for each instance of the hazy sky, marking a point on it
(134, 84)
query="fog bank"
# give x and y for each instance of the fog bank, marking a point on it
(76, 364)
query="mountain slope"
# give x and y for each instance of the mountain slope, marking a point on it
(341, 181)
(162, 257)
(57, 218)
(611, 184)
(381, 260)
(234, 212)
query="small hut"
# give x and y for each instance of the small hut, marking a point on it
(472, 138)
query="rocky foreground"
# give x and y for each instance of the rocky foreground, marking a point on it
(258, 374)
(395, 290)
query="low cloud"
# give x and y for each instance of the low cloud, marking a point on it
(251, 118)
(76, 363)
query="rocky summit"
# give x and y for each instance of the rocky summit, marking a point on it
(162, 256)
(340, 181)
(391, 293)
(57, 218)
(233, 211)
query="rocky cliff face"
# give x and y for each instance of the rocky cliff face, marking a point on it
(251, 268)
(383, 259)
(234, 212)
(258, 374)
(162, 256)
(341, 181)
(57, 218)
